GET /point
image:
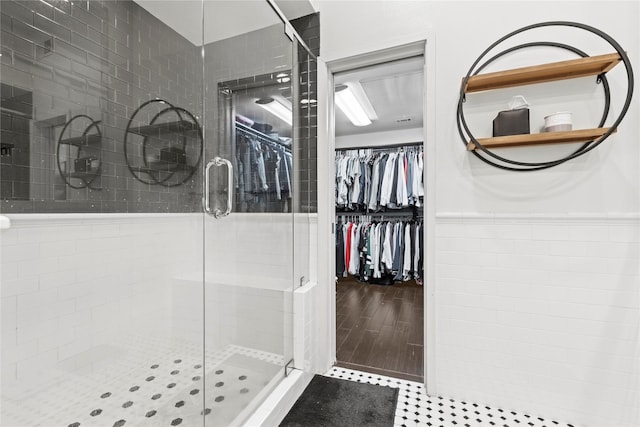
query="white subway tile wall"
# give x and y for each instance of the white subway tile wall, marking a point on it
(252, 245)
(82, 283)
(134, 276)
(544, 312)
(248, 290)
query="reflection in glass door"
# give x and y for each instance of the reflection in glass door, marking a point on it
(249, 126)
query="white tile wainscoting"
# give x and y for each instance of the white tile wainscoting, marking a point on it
(77, 289)
(534, 312)
(540, 313)
(72, 283)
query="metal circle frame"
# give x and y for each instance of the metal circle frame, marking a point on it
(518, 166)
(179, 112)
(67, 179)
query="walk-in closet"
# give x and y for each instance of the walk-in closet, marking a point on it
(379, 219)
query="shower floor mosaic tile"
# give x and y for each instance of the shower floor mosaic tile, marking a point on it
(416, 409)
(165, 389)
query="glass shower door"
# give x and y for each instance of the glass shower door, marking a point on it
(123, 301)
(101, 225)
(249, 197)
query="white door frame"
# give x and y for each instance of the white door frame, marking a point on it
(326, 201)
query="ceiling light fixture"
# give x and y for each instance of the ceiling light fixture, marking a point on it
(357, 108)
(277, 107)
(283, 78)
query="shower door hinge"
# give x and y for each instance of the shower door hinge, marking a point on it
(288, 368)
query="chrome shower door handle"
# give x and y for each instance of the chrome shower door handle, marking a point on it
(219, 162)
(217, 213)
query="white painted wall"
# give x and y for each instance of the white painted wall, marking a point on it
(223, 19)
(536, 274)
(603, 181)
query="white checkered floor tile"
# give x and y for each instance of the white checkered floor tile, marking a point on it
(416, 409)
(157, 386)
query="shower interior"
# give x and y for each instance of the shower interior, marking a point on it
(122, 302)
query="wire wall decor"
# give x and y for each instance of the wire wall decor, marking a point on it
(163, 144)
(590, 140)
(80, 164)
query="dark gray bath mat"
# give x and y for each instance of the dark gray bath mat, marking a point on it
(332, 402)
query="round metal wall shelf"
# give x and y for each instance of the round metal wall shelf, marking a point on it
(81, 170)
(591, 141)
(167, 150)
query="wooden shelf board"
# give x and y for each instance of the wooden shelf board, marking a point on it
(82, 175)
(164, 167)
(164, 128)
(581, 135)
(82, 140)
(573, 68)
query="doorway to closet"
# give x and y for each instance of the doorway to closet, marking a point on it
(379, 218)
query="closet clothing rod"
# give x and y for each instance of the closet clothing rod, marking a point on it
(265, 138)
(382, 147)
(403, 212)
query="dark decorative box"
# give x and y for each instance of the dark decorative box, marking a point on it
(511, 122)
(82, 164)
(173, 155)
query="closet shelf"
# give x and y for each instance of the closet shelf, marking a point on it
(165, 128)
(573, 68)
(580, 135)
(82, 140)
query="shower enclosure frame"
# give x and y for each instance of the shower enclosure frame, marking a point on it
(148, 278)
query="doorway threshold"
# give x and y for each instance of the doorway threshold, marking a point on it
(379, 371)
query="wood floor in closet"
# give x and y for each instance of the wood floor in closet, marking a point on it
(380, 328)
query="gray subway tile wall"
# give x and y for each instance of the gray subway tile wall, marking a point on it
(309, 29)
(104, 59)
(101, 59)
(271, 52)
(242, 78)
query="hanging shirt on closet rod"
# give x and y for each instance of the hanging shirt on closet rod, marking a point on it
(379, 179)
(372, 250)
(263, 172)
